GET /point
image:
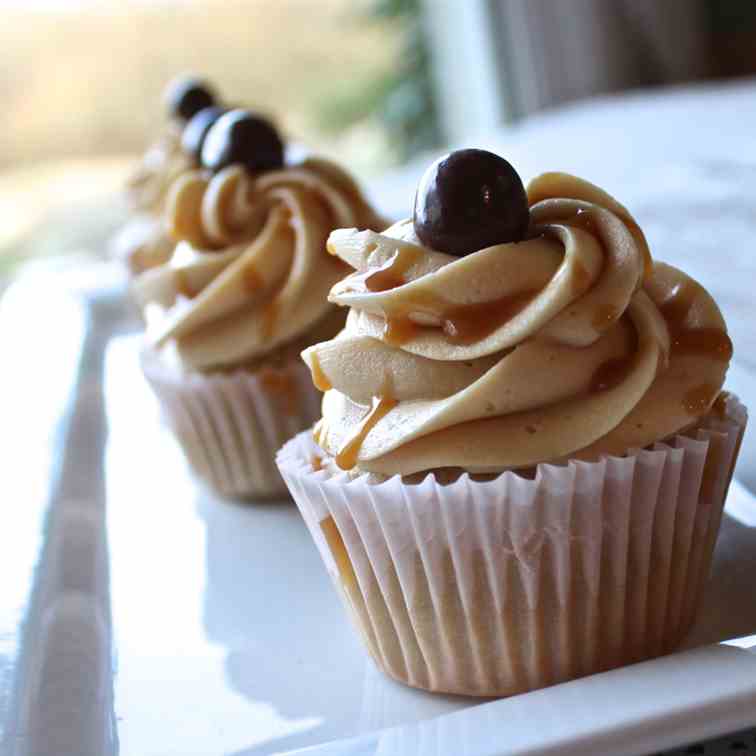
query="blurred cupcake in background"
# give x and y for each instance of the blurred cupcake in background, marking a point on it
(144, 241)
(525, 446)
(244, 291)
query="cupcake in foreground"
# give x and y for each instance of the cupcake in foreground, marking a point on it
(525, 447)
(242, 294)
(144, 241)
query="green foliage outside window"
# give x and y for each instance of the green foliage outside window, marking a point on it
(401, 99)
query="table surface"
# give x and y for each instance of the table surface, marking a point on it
(118, 562)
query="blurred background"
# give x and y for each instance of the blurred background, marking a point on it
(374, 82)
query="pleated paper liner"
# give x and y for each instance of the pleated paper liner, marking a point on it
(496, 587)
(230, 425)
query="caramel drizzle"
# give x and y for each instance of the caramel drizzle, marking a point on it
(338, 551)
(316, 463)
(471, 323)
(710, 342)
(320, 433)
(610, 374)
(346, 458)
(319, 378)
(461, 324)
(390, 275)
(399, 330)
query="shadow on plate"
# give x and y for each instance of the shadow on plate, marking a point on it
(287, 647)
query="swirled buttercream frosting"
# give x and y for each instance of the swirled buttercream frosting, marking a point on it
(250, 272)
(570, 343)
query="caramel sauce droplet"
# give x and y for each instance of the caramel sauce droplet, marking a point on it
(319, 378)
(281, 388)
(383, 279)
(698, 400)
(392, 273)
(610, 374)
(468, 324)
(388, 276)
(316, 462)
(399, 330)
(253, 281)
(709, 342)
(347, 456)
(338, 551)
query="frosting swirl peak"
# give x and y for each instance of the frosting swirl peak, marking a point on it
(569, 343)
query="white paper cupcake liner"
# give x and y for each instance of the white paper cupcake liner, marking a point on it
(231, 424)
(502, 586)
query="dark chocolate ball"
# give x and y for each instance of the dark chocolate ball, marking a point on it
(193, 136)
(187, 95)
(241, 137)
(469, 200)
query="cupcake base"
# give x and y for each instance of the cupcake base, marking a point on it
(230, 425)
(496, 587)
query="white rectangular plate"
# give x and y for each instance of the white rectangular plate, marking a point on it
(161, 620)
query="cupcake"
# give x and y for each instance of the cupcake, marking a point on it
(524, 449)
(144, 242)
(244, 291)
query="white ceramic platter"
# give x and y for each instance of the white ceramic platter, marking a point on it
(143, 616)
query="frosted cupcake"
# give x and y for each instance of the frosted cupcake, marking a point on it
(145, 242)
(244, 291)
(525, 448)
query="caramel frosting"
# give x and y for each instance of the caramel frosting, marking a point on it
(571, 343)
(250, 272)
